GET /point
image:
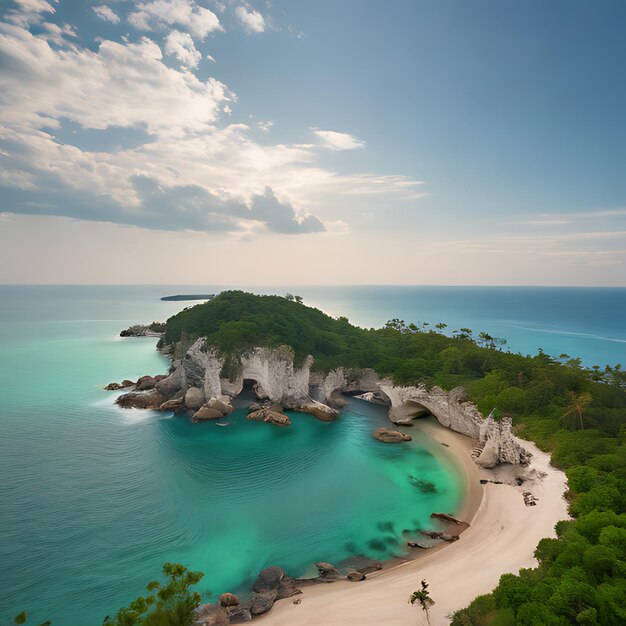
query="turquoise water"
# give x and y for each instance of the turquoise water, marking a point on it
(93, 499)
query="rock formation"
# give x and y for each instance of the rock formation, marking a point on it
(387, 435)
(200, 378)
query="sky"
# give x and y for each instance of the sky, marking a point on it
(296, 142)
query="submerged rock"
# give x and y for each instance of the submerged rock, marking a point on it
(387, 435)
(355, 576)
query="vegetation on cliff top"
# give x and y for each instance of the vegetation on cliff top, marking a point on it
(576, 413)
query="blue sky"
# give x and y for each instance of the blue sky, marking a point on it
(323, 142)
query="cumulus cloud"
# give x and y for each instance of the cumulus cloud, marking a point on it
(338, 141)
(182, 47)
(29, 11)
(251, 20)
(186, 14)
(58, 34)
(187, 168)
(107, 14)
(120, 84)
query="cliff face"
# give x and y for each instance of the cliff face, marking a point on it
(279, 380)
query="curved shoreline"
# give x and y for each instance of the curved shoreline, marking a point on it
(501, 538)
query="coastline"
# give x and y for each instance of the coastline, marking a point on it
(502, 537)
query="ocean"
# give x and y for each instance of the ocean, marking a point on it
(94, 499)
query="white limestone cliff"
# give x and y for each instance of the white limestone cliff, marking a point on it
(279, 380)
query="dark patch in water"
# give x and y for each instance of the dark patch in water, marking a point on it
(386, 526)
(350, 547)
(377, 544)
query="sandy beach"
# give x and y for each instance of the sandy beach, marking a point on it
(502, 538)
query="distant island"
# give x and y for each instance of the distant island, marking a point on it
(183, 296)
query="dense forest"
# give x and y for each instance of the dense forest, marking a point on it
(576, 413)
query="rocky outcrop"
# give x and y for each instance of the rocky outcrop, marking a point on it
(327, 573)
(176, 404)
(387, 435)
(269, 416)
(270, 585)
(200, 376)
(194, 398)
(205, 413)
(141, 400)
(155, 329)
(319, 410)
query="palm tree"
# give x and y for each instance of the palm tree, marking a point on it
(579, 402)
(422, 597)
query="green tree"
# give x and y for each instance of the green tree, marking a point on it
(422, 597)
(169, 604)
(578, 404)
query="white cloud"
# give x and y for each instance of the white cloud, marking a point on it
(195, 171)
(29, 11)
(107, 14)
(338, 141)
(251, 20)
(210, 58)
(265, 126)
(58, 34)
(186, 14)
(120, 84)
(182, 47)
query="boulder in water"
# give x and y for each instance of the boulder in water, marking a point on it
(387, 435)
(272, 417)
(205, 413)
(141, 400)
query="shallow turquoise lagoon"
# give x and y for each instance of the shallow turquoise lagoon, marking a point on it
(93, 499)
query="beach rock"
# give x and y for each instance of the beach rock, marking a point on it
(127, 383)
(268, 578)
(229, 599)
(371, 567)
(272, 417)
(194, 398)
(319, 410)
(287, 588)
(263, 601)
(327, 572)
(436, 534)
(238, 614)
(210, 615)
(297, 601)
(355, 576)
(205, 413)
(387, 435)
(113, 387)
(176, 404)
(218, 405)
(444, 517)
(141, 400)
(255, 406)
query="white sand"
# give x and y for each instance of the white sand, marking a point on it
(502, 538)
